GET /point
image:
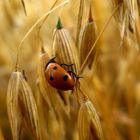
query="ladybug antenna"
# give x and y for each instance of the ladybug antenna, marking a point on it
(51, 61)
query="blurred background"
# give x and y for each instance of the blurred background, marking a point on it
(113, 85)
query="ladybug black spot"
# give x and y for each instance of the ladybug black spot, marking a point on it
(51, 78)
(65, 77)
(54, 67)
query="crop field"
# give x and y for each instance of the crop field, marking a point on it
(69, 70)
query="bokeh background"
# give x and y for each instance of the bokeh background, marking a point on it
(113, 85)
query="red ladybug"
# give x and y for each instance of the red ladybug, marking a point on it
(58, 77)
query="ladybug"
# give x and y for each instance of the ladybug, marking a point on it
(58, 77)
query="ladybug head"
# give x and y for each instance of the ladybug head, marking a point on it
(50, 61)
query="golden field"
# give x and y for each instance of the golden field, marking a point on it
(105, 102)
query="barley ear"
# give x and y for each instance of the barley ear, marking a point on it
(79, 21)
(29, 108)
(14, 112)
(64, 47)
(21, 106)
(89, 123)
(43, 85)
(87, 39)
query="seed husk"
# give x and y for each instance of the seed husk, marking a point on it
(79, 22)
(126, 17)
(29, 108)
(43, 59)
(87, 39)
(21, 106)
(64, 48)
(14, 112)
(89, 123)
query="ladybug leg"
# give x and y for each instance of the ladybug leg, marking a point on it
(51, 61)
(68, 65)
(71, 72)
(77, 77)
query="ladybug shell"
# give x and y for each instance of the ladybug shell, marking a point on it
(58, 77)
